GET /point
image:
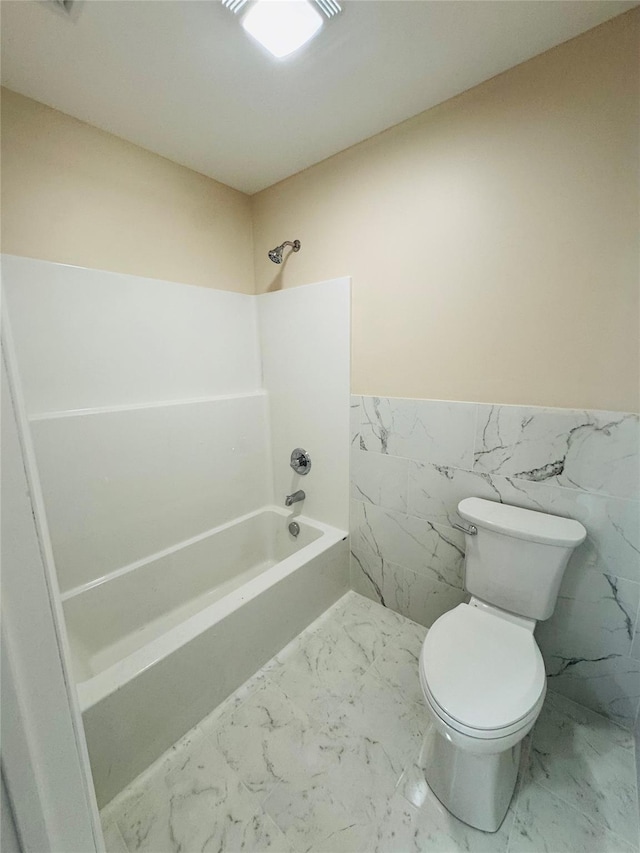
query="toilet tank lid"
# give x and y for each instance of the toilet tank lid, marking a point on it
(522, 523)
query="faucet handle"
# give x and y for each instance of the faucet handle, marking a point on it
(300, 461)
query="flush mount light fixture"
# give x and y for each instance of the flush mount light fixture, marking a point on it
(283, 26)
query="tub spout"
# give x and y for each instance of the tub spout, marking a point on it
(294, 498)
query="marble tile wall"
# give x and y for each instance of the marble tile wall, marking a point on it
(412, 461)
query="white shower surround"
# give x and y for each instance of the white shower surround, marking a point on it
(160, 426)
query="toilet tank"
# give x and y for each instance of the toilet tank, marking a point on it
(518, 557)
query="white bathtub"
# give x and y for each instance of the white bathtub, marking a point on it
(158, 644)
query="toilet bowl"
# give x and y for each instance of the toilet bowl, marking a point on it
(484, 684)
(481, 670)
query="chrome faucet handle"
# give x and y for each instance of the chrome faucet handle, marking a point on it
(300, 461)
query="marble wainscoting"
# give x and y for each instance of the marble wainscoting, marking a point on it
(412, 461)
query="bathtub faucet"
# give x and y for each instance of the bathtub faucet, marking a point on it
(294, 498)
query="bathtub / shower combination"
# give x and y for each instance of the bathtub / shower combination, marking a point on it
(161, 411)
(160, 643)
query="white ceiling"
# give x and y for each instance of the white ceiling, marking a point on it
(183, 79)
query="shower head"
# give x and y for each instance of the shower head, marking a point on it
(275, 255)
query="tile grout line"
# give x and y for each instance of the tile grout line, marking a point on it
(551, 409)
(571, 490)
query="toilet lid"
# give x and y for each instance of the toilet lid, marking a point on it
(482, 670)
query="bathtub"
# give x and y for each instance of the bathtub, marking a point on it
(158, 644)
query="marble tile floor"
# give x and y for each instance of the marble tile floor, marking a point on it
(321, 751)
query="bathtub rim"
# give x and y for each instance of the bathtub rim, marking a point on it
(98, 687)
(75, 591)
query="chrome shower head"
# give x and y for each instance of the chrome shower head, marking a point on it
(275, 255)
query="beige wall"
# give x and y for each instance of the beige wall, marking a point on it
(74, 194)
(493, 240)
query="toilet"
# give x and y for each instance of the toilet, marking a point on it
(481, 670)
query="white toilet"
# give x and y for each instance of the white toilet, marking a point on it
(481, 670)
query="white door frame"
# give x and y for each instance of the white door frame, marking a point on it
(45, 762)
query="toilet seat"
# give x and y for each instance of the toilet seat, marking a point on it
(498, 738)
(481, 674)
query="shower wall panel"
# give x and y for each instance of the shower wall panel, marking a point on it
(305, 335)
(88, 338)
(146, 406)
(119, 486)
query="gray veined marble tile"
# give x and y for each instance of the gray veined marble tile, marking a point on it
(385, 717)
(589, 763)
(398, 663)
(239, 696)
(604, 455)
(160, 768)
(592, 451)
(367, 572)
(421, 597)
(412, 635)
(354, 415)
(113, 840)
(318, 677)
(635, 646)
(385, 619)
(352, 604)
(368, 576)
(610, 684)
(594, 616)
(417, 596)
(349, 778)
(434, 491)
(415, 543)
(379, 479)
(356, 784)
(546, 824)
(262, 740)
(403, 828)
(428, 430)
(616, 540)
(612, 524)
(199, 804)
(361, 631)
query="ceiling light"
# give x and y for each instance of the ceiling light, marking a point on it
(282, 26)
